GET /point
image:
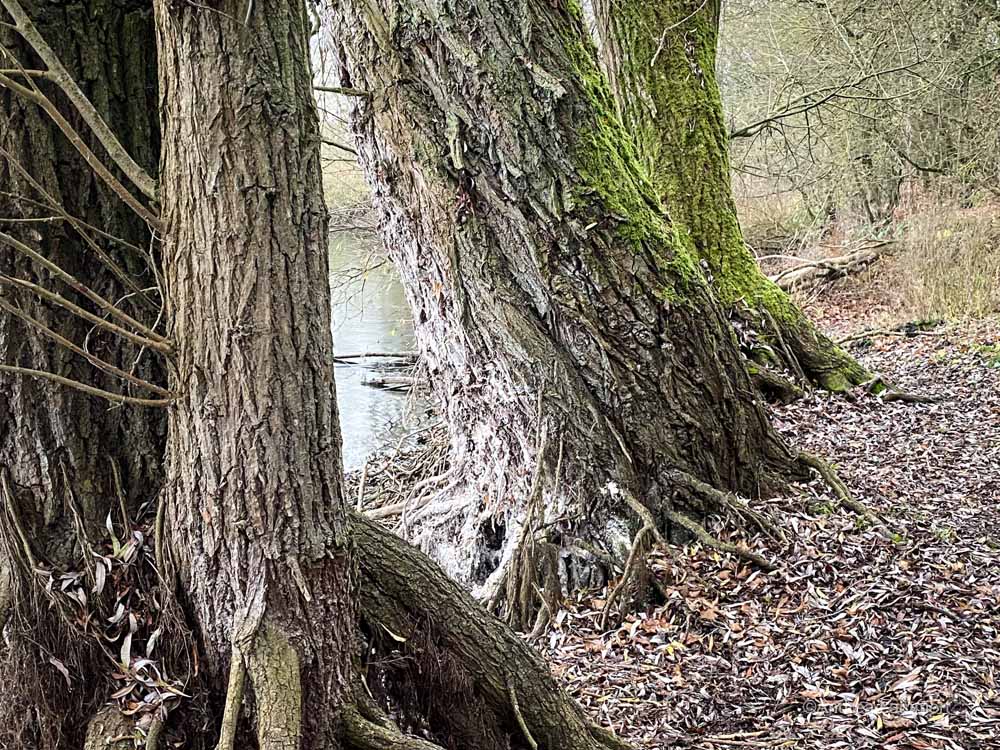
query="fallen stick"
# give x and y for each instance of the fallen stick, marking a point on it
(830, 268)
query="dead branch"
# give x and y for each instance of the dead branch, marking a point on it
(98, 321)
(343, 90)
(71, 281)
(116, 398)
(34, 94)
(79, 226)
(830, 268)
(388, 355)
(67, 344)
(57, 72)
(341, 146)
(875, 332)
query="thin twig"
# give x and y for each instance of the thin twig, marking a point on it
(35, 95)
(67, 344)
(98, 321)
(117, 398)
(58, 73)
(79, 225)
(79, 286)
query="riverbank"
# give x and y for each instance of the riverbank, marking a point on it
(881, 635)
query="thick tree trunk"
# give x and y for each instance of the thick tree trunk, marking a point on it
(660, 59)
(60, 449)
(574, 344)
(254, 494)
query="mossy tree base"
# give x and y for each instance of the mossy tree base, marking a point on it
(667, 94)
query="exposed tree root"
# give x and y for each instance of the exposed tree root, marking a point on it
(775, 387)
(153, 735)
(361, 733)
(829, 475)
(887, 391)
(467, 662)
(726, 501)
(234, 700)
(702, 535)
(520, 717)
(633, 568)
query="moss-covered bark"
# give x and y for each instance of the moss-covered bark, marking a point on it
(660, 58)
(569, 330)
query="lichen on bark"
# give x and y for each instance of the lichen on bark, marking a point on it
(551, 294)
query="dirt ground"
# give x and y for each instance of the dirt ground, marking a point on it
(881, 634)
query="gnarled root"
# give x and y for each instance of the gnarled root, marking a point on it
(830, 476)
(362, 733)
(468, 663)
(702, 535)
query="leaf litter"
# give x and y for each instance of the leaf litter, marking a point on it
(869, 635)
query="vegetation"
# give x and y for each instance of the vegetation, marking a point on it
(181, 564)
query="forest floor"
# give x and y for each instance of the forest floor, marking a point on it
(868, 635)
(879, 635)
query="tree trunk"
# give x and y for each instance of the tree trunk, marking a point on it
(660, 59)
(573, 342)
(255, 505)
(60, 449)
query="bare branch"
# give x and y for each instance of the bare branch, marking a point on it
(802, 104)
(34, 94)
(79, 226)
(86, 291)
(344, 90)
(116, 398)
(58, 73)
(341, 146)
(67, 344)
(61, 301)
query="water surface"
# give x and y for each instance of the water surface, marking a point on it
(370, 314)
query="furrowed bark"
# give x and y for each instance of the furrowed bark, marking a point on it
(58, 445)
(255, 506)
(547, 286)
(660, 59)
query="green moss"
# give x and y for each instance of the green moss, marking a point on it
(610, 169)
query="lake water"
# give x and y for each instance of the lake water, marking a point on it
(370, 314)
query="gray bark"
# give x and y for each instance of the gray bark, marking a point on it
(254, 496)
(550, 293)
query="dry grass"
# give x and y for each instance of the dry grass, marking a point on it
(950, 266)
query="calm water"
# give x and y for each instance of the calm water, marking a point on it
(369, 314)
